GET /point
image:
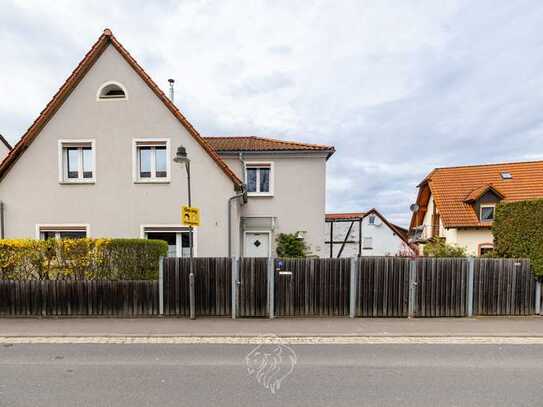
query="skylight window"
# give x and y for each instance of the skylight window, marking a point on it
(506, 175)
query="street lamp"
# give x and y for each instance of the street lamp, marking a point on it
(182, 158)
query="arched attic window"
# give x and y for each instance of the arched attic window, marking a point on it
(111, 91)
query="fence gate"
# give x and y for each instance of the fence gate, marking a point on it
(305, 287)
(382, 287)
(441, 287)
(253, 287)
(503, 287)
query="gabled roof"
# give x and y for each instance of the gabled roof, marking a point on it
(252, 143)
(483, 189)
(5, 142)
(106, 39)
(344, 216)
(354, 216)
(453, 188)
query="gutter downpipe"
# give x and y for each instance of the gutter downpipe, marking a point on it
(2, 224)
(230, 200)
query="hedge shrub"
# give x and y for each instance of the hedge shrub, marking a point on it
(81, 259)
(290, 245)
(438, 248)
(518, 232)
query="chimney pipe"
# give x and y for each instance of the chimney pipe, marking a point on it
(171, 81)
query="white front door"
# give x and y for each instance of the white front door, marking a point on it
(257, 244)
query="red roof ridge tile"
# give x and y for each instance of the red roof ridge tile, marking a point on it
(487, 165)
(274, 140)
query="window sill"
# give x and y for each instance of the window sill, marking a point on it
(152, 181)
(262, 194)
(78, 182)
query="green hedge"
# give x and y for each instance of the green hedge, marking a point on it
(81, 259)
(518, 232)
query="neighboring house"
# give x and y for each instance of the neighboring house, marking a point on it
(286, 185)
(98, 162)
(5, 148)
(458, 203)
(364, 234)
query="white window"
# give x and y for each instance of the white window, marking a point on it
(487, 213)
(177, 238)
(371, 220)
(111, 91)
(152, 160)
(485, 248)
(77, 161)
(259, 178)
(367, 243)
(46, 232)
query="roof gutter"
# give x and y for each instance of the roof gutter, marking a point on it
(233, 153)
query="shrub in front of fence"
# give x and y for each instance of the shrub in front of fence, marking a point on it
(439, 248)
(80, 259)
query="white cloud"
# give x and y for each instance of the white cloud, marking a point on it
(397, 87)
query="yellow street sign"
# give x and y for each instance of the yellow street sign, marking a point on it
(190, 216)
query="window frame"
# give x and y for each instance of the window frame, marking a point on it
(110, 99)
(366, 247)
(260, 164)
(178, 229)
(483, 246)
(62, 227)
(63, 162)
(481, 207)
(150, 142)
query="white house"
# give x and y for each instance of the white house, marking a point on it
(457, 204)
(364, 234)
(99, 162)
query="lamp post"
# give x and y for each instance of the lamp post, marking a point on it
(182, 158)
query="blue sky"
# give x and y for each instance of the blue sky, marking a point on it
(398, 87)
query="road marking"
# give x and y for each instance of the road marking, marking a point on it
(255, 340)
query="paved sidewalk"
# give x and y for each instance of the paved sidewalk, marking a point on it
(441, 327)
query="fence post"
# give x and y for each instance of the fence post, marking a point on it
(235, 274)
(353, 287)
(271, 287)
(411, 311)
(161, 285)
(470, 286)
(538, 297)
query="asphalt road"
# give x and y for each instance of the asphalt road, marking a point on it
(308, 375)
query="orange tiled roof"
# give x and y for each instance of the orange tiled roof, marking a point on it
(452, 186)
(252, 143)
(483, 189)
(106, 39)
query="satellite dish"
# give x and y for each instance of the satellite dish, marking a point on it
(414, 207)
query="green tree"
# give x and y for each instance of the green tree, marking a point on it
(518, 232)
(438, 248)
(291, 245)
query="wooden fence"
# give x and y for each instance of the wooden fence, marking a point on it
(503, 287)
(311, 287)
(261, 287)
(441, 287)
(382, 287)
(78, 298)
(212, 286)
